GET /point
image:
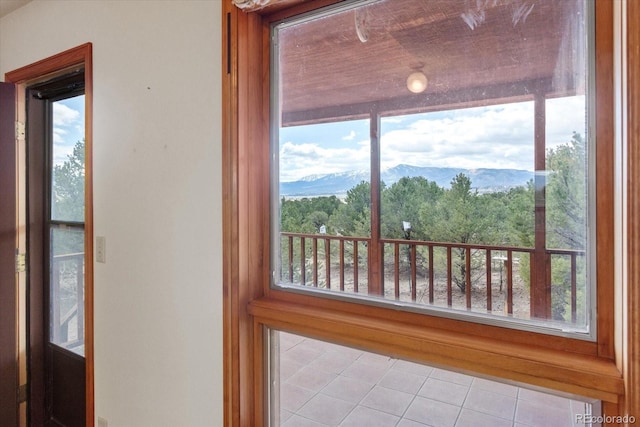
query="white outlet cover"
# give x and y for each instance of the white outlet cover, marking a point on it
(101, 249)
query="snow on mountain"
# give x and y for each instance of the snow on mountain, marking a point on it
(484, 180)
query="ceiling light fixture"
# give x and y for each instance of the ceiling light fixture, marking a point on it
(417, 82)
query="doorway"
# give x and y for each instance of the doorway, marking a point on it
(55, 248)
(54, 230)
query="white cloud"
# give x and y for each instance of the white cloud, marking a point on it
(58, 135)
(349, 137)
(563, 117)
(66, 121)
(63, 115)
(493, 137)
(67, 125)
(300, 160)
(61, 154)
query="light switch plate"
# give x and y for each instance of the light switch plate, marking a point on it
(101, 249)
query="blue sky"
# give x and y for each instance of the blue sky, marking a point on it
(68, 127)
(498, 136)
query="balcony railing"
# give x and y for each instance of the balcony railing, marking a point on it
(467, 276)
(67, 301)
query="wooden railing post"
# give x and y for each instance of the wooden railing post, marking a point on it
(356, 266)
(396, 270)
(509, 264)
(414, 278)
(467, 276)
(449, 277)
(376, 248)
(574, 291)
(488, 271)
(327, 261)
(431, 275)
(341, 255)
(55, 301)
(540, 289)
(314, 249)
(290, 250)
(79, 259)
(303, 263)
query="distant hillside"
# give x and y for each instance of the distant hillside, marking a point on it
(484, 180)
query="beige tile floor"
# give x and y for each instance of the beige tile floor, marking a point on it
(324, 384)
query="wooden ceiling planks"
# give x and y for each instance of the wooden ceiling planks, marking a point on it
(508, 49)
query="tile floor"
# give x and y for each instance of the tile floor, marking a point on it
(324, 384)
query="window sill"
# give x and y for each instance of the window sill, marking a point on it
(564, 371)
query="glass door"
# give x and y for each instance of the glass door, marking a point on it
(56, 217)
(66, 225)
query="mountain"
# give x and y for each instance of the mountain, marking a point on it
(484, 180)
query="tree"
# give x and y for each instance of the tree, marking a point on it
(566, 212)
(402, 201)
(307, 215)
(68, 186)
(291, 216)
(566, 195)
(67, 202)
(520, 216)
(353, 218)
(459, 216)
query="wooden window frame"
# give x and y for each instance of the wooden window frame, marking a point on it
(606, 369)
(57, 65)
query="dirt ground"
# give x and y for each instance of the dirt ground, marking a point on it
(520, 292)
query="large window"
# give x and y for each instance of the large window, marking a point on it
(442, 164)
(500, 93)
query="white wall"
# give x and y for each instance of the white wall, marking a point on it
(157, 190)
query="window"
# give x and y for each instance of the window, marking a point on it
(66, 223)
(465, 191)
(562, 360)
(329, 384)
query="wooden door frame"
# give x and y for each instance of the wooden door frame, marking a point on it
(64, 62)
(8, 319)
(35, 248)
(631, 108)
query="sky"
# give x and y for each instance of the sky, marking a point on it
(498, 137)
(68, 127)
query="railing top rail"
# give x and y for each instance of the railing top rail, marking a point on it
(68, 256)
(325, 236)
(458, 245)
(484, 247)
(436, 244)
(566, 252)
